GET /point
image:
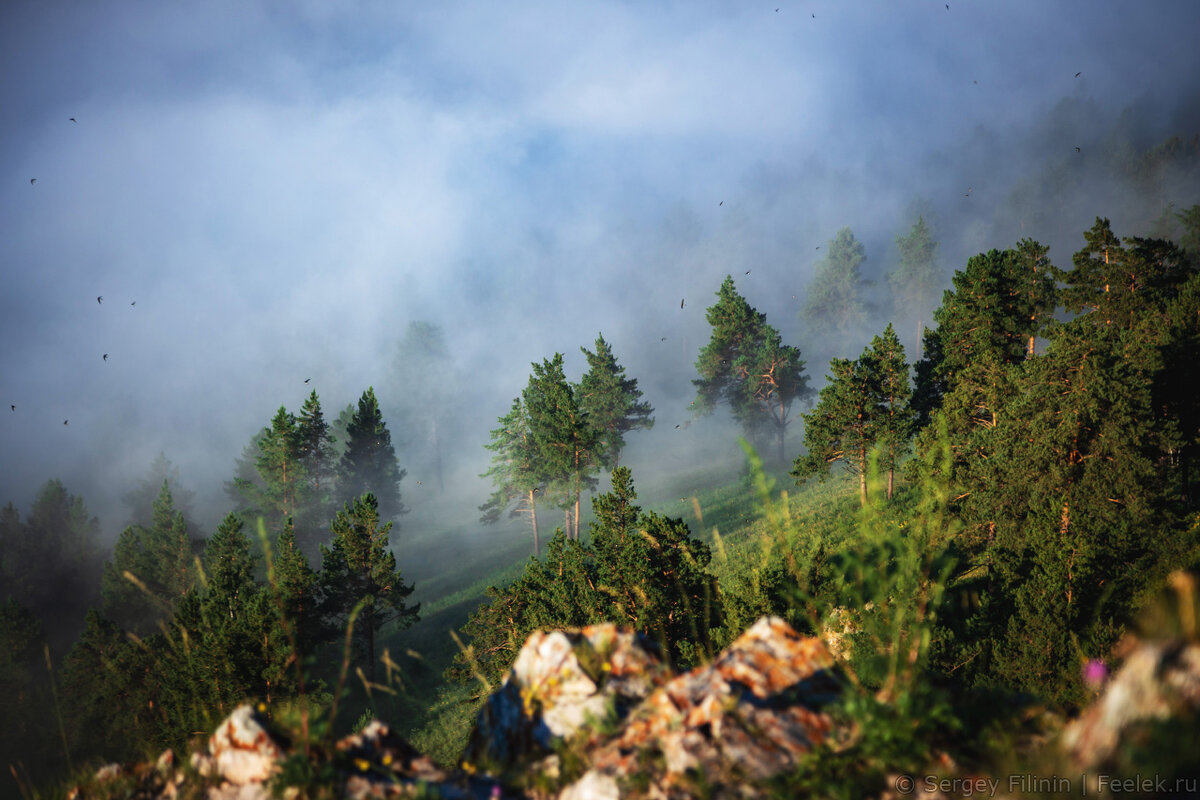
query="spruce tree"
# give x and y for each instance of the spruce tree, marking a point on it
(368, 464)
(314, 452)
(359, 566)
(746, 365)
(611, 402)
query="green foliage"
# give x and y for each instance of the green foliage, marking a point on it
(515, 472)
(915, 280)
(428, 391)
(314, 455)
(369, 463)
(358, 568)
(565, 447)
(746, 365)
(865, 403)
(642, 570)
(834, 303)
(151, 568)
(610, 402)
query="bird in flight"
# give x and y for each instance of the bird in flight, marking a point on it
(947, 6)
(663, 339)
(100, 300)
(73, 120)
(65, 421)
(1077, 74)
(747, 272)
(14, 408)
(306, 380)
(106, 356)
(134, 303)
(818, 247)
(968, 194)
(1077, 150)
(681, 302)
(32, 181)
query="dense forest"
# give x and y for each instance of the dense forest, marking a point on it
(1016, 491)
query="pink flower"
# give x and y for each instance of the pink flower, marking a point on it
(1094, 673)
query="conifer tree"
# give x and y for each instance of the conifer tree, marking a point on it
(161, 558)
(746, 365)
(140, 501)
(611, 402)
(834, 303)
(314, 452)
(515, 472)
(368, 464)
(896, 418)
(357, 567)
(845, 424)
(566, 448)
(428, 389)
(915, 281)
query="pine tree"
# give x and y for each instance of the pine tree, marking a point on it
(314, 452)
(161, 558)
(515, 471)
(845, 424)
(57, 546)
(565, 447)
(140, 501)
(834, 304)
(359, 567)
(369, 462)
(896, 422)
(611, 402)
(428, 390)
(915, 281)
(746, 365)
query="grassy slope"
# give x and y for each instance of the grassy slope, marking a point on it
(436, 715)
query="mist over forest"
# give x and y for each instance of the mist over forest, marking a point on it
(284, 196)
(375, 281)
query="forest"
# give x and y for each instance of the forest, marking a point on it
(979, 518)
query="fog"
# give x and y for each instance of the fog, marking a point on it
(267, 193)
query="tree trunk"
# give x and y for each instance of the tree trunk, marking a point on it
(862, 474)
(891, 481)
(577, 513)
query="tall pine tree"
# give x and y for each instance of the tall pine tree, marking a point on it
(359, 567)
(746, 365)
(369, 463)
(611, 402)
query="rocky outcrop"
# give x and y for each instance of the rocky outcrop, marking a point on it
(595, 714)
(1157, 681)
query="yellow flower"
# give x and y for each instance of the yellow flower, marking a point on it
(468, 767)
(387, 759)
(362, 764)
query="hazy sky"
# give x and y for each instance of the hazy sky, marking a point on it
(281, 187)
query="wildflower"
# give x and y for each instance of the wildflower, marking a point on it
(1094, 673)
(362, 764)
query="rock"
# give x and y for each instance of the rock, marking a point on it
(750, 714)
(1158, 680)
(241, 750)
(561, 681)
